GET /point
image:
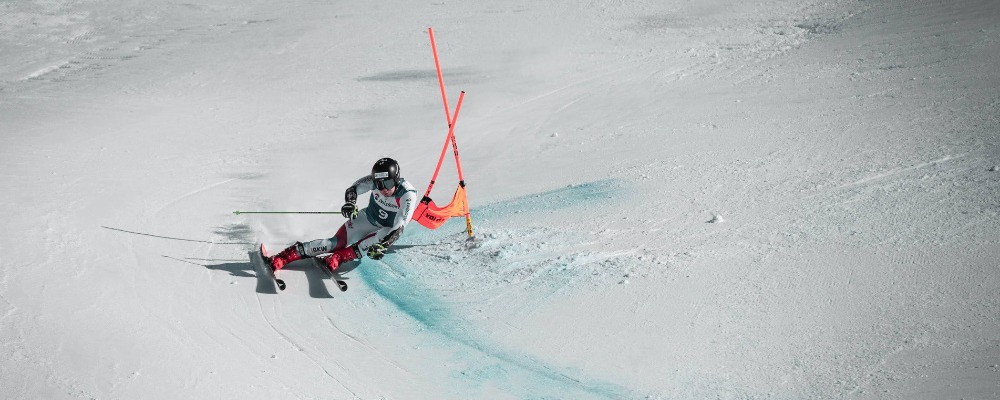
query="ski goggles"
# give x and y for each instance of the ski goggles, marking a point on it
(384, 183)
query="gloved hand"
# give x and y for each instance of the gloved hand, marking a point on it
(377, 251)
(349, 210)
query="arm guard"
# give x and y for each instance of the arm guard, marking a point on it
(391, 238)
(365, 183)
(351, 196)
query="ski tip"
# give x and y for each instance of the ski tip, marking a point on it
(281, 284)
(342, 285)
(263, 250)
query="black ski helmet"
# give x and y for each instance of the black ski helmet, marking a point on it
(383, 170)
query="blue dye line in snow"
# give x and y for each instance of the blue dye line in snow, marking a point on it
(514, 373)
(488, 363)
(562, 198)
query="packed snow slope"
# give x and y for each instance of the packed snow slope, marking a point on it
(671, 199)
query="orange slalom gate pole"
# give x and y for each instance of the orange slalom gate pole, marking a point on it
(458, 164)
(461, 179)
(444, 149)
(451, 131)
(437, 66)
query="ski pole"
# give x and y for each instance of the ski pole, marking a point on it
(237, 212)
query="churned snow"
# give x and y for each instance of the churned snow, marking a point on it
(671, 199)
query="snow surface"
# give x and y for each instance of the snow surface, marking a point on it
(672, 199)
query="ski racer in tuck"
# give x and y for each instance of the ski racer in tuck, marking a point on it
(390, 208)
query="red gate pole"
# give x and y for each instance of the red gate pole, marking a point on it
(444, 149)
(437, 66)
(451, 132)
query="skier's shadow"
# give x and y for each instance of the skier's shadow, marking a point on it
(265, 285)
(316, 279)
(239, 269)
(238, 234)
(253, 268)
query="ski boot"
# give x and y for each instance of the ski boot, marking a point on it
(338, 257)
(286, 256)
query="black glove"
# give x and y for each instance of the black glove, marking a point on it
(377, 251)
(349, 210)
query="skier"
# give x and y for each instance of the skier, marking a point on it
(389, 209)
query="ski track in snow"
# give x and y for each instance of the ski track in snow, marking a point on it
(362, 343)
(897, 171)
(271, 316)
(270, 319)
(176, 200)
(783, 200)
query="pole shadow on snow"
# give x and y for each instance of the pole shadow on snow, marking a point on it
(426, 75)
(228, 231)
(235, 268)
(248, 269)
(316, 278)
(238, 234)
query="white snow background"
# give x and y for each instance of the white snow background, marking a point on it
(672, 199)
